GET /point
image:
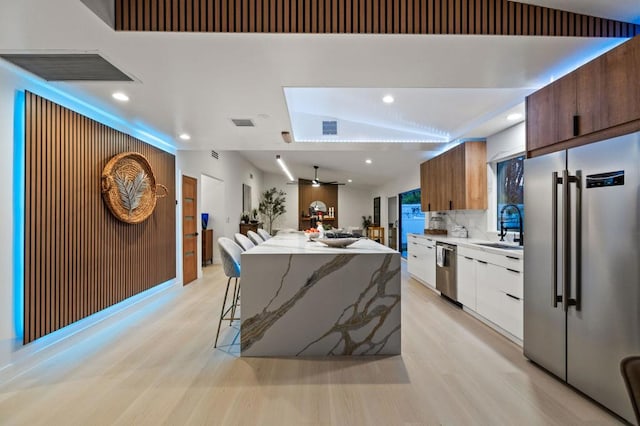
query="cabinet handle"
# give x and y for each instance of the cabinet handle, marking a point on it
(512, 257)
(450, 205)
(513, 270)
(481, 261)
(576, 125)
(512, 296)
(430, 248)
(414, 243)
(470, 258)
(413, 255)
(429, 207)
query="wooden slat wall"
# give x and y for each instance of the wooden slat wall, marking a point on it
(79, 259)
(490, 17)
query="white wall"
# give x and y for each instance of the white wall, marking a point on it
(279, 181)
(232, 169)
(353, 203)
(212, 196)
(8, 85)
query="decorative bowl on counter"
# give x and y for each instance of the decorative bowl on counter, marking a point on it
(337, 242)
(312, 235)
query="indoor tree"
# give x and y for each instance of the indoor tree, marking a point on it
(272, 205)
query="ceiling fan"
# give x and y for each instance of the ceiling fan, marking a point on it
(315, 182)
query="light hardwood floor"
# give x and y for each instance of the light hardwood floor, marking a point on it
(158, 366)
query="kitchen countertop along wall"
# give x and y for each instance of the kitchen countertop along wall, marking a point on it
(473, 243)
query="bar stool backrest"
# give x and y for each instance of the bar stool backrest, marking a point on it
(230, 253)
(255, 238)
(243, 241)
(264, 234)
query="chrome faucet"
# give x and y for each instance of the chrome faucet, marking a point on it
(504, 229)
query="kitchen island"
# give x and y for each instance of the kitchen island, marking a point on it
(302, 298)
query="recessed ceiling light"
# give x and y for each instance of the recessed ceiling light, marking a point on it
(368, 161)
(349, 180)
(119, 96)
(515, 116)
(185, 136)
(388, 99)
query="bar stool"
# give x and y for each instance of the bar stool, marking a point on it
(230, 253)
(264, 234)
(243, 241)
(257, 240)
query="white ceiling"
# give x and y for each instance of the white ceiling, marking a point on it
(196, 83)
(621, 10)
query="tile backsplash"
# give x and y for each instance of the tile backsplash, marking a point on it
(474, 220)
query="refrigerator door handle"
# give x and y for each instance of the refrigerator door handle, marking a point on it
(567, 180)
(577, 179)
(554, 239)
(566, 241)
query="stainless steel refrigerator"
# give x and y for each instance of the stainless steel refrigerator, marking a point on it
(582, 266)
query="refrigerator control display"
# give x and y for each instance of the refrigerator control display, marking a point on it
(605, 179)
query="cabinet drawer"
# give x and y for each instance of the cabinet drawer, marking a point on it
(511, 316)
(505, 260)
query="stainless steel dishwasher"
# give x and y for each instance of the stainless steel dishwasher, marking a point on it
(446, 265)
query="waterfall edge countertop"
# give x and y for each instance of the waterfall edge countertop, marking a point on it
(302, 298)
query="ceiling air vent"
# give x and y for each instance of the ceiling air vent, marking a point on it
(214, 154)
(329, 127)
(242, 122)
(68, 66)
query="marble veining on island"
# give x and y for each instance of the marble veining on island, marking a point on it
(300, 298)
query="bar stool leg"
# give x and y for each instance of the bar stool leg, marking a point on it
(224, 302)
(234, 301)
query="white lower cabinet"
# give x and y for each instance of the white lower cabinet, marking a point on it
(421, 259)
(495, 292)
(430, 265)
(467, 283)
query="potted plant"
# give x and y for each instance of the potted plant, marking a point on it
(272, 205)
(244, 217)
(254, 216)
(366, 223)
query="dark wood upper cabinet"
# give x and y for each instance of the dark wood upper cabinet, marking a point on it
(599, 100)
(621, 85)
(550, 113)
(456, 179)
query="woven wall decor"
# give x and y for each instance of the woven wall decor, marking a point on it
(129, 187)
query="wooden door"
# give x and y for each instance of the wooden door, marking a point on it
(189, 230)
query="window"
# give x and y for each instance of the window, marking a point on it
(510, 190)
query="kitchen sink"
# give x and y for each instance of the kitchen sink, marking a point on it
(501, 246)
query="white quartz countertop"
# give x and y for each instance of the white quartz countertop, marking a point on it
(474, 244)
(298, 243)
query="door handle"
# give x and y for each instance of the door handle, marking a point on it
(554, 239)
(566, 240)
(577, 179)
